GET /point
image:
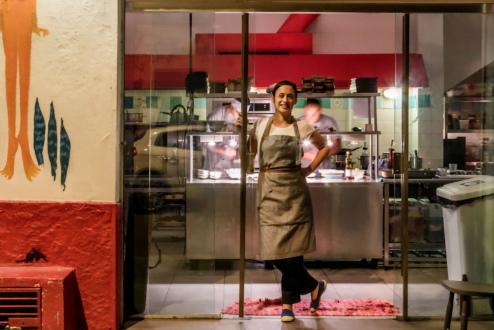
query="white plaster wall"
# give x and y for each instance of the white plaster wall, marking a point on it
(353, 33)
(75, 67)
(427, 132)
(168, 33)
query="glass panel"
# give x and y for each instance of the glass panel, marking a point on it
(449, 86)
(162, 273)
(346, 255)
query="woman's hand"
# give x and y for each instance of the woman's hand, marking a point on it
(305, 171)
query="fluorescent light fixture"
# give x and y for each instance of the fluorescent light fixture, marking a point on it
(211, 143)
(391, 93)
(232, 143)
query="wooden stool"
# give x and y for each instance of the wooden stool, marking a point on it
(465, 290)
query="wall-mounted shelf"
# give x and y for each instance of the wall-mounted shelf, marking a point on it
(300, 95)
(490, 130)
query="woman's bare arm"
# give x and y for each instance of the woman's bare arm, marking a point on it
(321, 144)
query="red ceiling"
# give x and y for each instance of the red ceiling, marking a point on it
(297, 23)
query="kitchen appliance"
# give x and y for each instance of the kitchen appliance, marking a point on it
(397, 159)
(417, 173)
(261, 106)
(197, 82)
(364, 162)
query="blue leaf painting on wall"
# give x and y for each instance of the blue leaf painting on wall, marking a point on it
(64, 153)
(52, 142)
(39, 133)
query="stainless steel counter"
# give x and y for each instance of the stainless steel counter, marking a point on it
(348, 219)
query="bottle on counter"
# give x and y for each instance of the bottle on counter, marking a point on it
(349, 167)
(364, 150)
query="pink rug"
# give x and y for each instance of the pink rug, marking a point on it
(329, 307)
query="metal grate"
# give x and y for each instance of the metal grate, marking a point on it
(20, 308)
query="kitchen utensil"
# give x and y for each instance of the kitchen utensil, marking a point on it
(368, 127)
(233, 173)
(343, 151)
(357, 129)
(134, 117)
(339, 165)
(385, 173)
(177, 117)
(215, 175)
(416, 154)
(442, 171)
(416, 162)
(330, 172)
(453, 168)
(358, 175)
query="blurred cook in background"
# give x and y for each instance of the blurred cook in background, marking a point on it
(322, 123)
(221, 155)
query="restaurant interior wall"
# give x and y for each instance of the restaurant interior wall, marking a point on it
(58, 146)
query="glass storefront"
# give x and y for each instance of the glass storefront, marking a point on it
(182, 164)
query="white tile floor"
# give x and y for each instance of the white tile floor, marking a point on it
(175, 289)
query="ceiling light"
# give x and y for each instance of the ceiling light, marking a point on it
(391, 93)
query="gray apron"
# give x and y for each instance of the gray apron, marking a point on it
(286, 224)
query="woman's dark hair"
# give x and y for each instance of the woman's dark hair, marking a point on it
(285, 83)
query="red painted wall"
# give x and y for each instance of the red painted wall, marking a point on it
(85, 236)
(169, 71)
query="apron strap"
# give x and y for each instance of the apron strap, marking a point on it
(265, 134)
(295, 128)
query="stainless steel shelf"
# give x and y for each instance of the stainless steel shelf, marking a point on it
(300, 95)
(489, 130)
(322, 133)
(423, 246)
(352, 133)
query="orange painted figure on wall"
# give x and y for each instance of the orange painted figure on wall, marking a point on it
(18, 21)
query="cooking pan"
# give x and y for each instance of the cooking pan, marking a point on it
(341, 156)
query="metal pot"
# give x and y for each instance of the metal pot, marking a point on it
(364, 161)
(341, 166)
(134, 117)
(416, 163)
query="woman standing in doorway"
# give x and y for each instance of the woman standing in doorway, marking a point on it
(18, 20)
(286, 224)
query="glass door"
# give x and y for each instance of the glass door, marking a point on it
(170, 256)
(450, 84)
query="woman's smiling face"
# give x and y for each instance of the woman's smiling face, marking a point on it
(284, 99)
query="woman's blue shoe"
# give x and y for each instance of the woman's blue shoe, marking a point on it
(287, 316)
(315, 303)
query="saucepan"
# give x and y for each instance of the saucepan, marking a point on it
(341, 156)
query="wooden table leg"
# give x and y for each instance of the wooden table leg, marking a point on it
(449, 311)
(464, 313)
